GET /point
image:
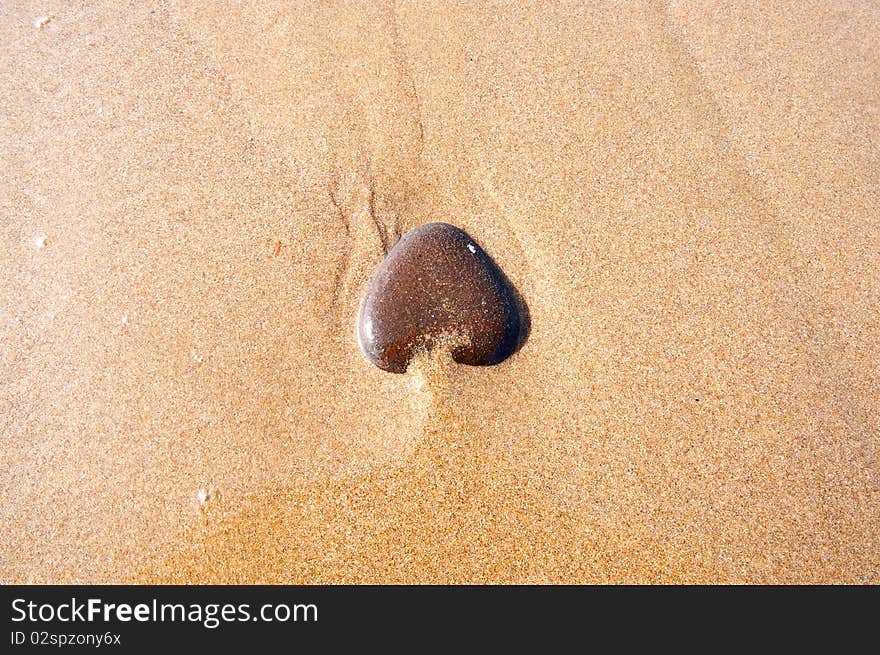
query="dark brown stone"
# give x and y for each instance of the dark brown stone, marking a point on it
(437, 287)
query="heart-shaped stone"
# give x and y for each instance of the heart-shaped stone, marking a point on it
(438, 288)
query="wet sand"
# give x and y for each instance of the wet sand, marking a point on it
(194, 197)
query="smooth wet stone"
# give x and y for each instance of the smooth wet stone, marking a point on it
(437, 287)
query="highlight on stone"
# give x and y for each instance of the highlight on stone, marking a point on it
(438, 288)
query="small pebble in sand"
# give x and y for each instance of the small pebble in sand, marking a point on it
(438, 288)
(41, 22)
(197, 358)
(203, 496)
(40, 241)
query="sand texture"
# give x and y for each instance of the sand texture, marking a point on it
(193, 198)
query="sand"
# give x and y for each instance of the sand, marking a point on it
(193, 197)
